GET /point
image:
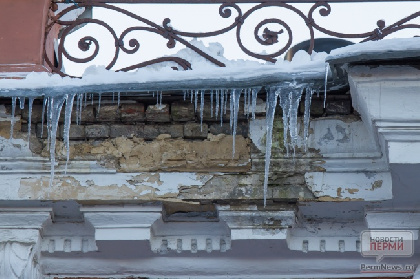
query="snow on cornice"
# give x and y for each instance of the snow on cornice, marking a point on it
(236, 74)
(386, 49)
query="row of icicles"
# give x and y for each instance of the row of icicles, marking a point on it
(287, 97)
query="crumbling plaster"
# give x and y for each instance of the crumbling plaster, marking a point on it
(171, 168)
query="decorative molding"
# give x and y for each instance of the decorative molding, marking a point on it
(389, 219)
(189, 236)
(15, 258)
(68, 237)
(326, 236)
(20, 241)
(387, 99)
(122, 222)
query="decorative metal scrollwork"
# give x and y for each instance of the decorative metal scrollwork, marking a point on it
(262, 33)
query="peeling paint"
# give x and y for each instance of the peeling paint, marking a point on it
(339, 192)
(377, 184)
(108, 187)
(356, 185)
(352, 191)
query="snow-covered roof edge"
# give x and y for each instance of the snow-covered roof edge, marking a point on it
(387, 49)
(304, 69)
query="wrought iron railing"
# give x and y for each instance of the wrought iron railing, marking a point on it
(262, 34)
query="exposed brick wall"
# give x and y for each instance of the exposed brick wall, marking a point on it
(178, 118)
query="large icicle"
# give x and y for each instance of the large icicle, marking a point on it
(306, 117)
(30, 105)
(67, 122)
(226, 97)
(222, 100)
(217, 104)
(285, 106)
(12, 121)
(271, 104)
(44, 105)
(327, 67)
(245, 101)
(211, 103)
(294, 99)
(236, 95)
(79, 108)
(99, 102)
(56, 104)
(254, 101)
(201, 109)
(85, 105)
(49, 117)
(195, 99)
(231, 109)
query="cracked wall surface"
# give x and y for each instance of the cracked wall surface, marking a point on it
(134, 151)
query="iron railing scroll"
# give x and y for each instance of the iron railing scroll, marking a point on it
(227, 9)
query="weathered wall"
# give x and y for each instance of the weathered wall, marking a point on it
(138, 150)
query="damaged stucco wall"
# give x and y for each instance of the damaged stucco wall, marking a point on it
(138, 151)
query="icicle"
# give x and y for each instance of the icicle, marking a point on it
(191, 96)
(327, 66)
(49, 117)
(294, 97)
(118, 98)
(157, 98)
(249, 101)
(30, 104)
(226, 96)
(85, 100)
(160, 98)
(56, 104)
(285, 106)
(12, 121)
(271, 103)
(211, 104)
(99, 102)
(254, 101)
(195, 99)
(222, 99)
(201, 110)
(306, 116)
(217, 103)
(44, 104)
(21, 102)
(80, 108)
(79, 104)
(91, 98)
(236, 97)
(185, 94)
(113, 97)
(231, 110)
(77, 109)
(245, 101)
(67, 122)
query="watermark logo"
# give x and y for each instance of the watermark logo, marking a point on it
(387, 268)
(387, 243)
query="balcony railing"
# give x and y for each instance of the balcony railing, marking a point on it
(269, 32)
